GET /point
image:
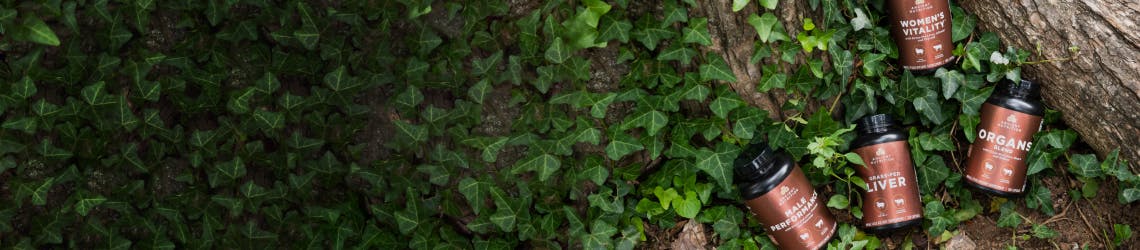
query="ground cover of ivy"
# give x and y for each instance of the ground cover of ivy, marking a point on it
(253, 123)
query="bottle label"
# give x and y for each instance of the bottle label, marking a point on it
(892, 193)
(922, 31)
(997, 160)
(793, 215)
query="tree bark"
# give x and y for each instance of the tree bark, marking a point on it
(735, 39)
(1097, 92)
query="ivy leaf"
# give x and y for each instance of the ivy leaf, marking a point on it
(763, 25)
(558, 51)
(697, 32)
(269, 120)
(599, 237)
(544, 164)
(414, 132)
(150, 90)
(239, 103)
(232, 169)
(337, 80)
(1043, 232)
(40, 193)
(1009, 217)
(614, 29)
(679, 53)
(24, 88)
(39, 32)
(674, 13)
(651, 120)
(962, 24)
(507, 213)
(651, 36)
(475, 192)
(93, 94)
(1121, 233)
(933, 172)
(26, 124)
(689, 206)
(479, 91)
(408, 219)
(769, 4)
(86, 204)
(718, 164)
(596, 173)
(1040, 198)
(936, 143)
(722, 105)
(267, 84)
(951, 80)
(738, 5)
(621, 145)
(1085, 165)
(308, 36)
(843, 63)
(594, 11)
(929, 107)
(716, 69)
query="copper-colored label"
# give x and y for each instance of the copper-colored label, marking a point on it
(793, 215)
(892, 192)
(922, 31)
(997, 160)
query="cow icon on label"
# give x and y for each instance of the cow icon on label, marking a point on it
(919, 51)
(989, 166)
(804, 236)
(1007, 172)
(937, 47)
(899, 202)
(880, 204)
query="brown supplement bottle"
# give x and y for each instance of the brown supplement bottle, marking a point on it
(922, 30)
(782, 199)
(997, 160)
(891, 200)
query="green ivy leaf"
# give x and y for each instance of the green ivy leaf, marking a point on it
(1040, 198)
(40, 193)
(269, 120)
(544, 164)
(86, 204)
(338, 80)
(951, 80)
(763, 25)
(507, 214)
(39, 32)
(614, 29)
(716, 69)
(738, 5)
(769, 4)
(239, 103)
(24, 88)
(475, 192)
(26, 124)
(558, 52)
(933, 172)
(93, 94)
(678, 52)
(697, 32)
(1009, 217)
(718, 164)
(1121, 233)
(723, 105)
(621, 145)
(1085, 165)
(689, 206)
(651, 120)
(232, 169)
(479, 91)
(936, 142)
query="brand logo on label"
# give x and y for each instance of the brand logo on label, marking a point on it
(784, 190)
(880, 152)
(917, 2)
(1011, 118)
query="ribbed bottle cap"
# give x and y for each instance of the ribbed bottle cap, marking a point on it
(1024, 89)
(872, 124)
(752, 164)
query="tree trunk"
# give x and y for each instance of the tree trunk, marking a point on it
(1098, 92)
(735, 39)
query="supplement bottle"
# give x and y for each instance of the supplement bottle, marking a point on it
(780, 196)
(922, 31)
(891, 200)
(996, 162)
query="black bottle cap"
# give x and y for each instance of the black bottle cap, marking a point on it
(1024, 89)
(874, 124)
(753, 163)
(760, 169)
